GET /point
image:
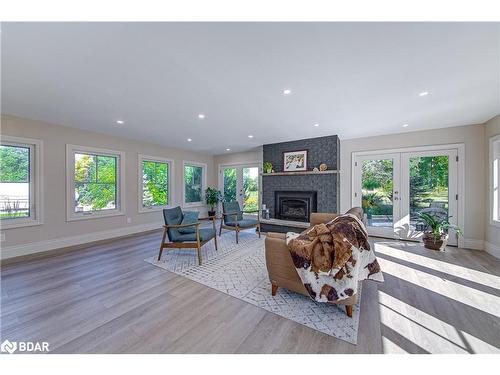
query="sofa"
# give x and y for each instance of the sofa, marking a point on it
(280, 267)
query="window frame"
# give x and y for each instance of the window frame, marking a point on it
(203, 183)
(494, 193)
(35, 182)
(170, 162)
(71, 215)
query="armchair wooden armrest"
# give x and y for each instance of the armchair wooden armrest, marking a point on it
(176, 226)
(235, 214)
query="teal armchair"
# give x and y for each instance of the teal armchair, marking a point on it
(181, 237)
(232, 219)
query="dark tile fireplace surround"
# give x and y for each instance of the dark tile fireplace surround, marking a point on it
(293, 197)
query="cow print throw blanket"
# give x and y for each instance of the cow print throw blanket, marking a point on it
(331, 258)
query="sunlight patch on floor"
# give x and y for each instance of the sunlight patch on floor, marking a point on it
(390, 347)
(479, 277)
(427, 331)
(469, 296)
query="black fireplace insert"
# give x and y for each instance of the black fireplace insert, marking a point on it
(295, 205)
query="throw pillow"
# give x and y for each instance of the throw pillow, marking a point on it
(189, 217)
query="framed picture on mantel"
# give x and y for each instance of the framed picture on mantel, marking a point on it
(295, 161)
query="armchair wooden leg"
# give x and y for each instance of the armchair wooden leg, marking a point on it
(348, 310)
(220, 229)
(215, 240)
(198, 245)
(237, 234)
(258, 229)
(274, 289)
(199, 256)
(162, 242)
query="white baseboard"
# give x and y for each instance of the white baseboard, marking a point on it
(41, 246)
(472, 243)
(492, 249)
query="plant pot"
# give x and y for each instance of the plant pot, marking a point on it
(211, 213)
(431, 243)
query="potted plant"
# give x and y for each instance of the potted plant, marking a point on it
(436, 235)
(212, 197)
(268, 167)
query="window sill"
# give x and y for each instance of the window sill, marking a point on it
(143, 210)
(94, 216)
(194, 204)
(495, 223)
(20, 224)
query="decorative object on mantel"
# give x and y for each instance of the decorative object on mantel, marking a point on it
(300, 173)
(267, 167)
(315, 169)
(436, 235)
(294, 161)
(212, 197)
(323, 167)
(265, 212)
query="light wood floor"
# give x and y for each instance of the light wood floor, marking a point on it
(106, 299)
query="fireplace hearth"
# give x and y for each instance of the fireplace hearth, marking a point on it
(295, 205)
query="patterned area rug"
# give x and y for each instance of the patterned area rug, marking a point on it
(240, 271)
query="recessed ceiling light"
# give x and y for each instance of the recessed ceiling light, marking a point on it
(316, 125)
(120, 122)
(287, 92)
(404, 125)
(228, 149)
(189, 139)
(201, 116)
(250, 136)
(423, 93)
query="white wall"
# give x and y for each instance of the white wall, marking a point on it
(55, 227)
(475, 174)
(472, 136)
(56, 231)
(492, 233)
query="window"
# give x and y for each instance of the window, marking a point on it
(194, 183)
(20, 182)
(95, 182)
(155, 191)
(495, 180)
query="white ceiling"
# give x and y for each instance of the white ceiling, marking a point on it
(354, 79)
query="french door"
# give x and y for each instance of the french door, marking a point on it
(240, 183)
(394, 188)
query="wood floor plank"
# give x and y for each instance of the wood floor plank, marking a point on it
(103, 298)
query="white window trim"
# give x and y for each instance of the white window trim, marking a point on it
(170, 163)
(203, 182)
(71, 215)
(494, 221)
(36, 187)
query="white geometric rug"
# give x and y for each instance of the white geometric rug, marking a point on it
(240, 271)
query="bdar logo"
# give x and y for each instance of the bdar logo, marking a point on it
(9, 347)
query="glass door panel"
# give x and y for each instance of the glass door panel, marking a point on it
(241, 183)
(377, 191)
(229, 184)
(430, 186)
(250, 192)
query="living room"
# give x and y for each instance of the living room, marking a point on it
(250, 187)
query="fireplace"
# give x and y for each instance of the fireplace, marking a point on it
(295, 205)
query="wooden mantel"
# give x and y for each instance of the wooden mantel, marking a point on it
(300, 173)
